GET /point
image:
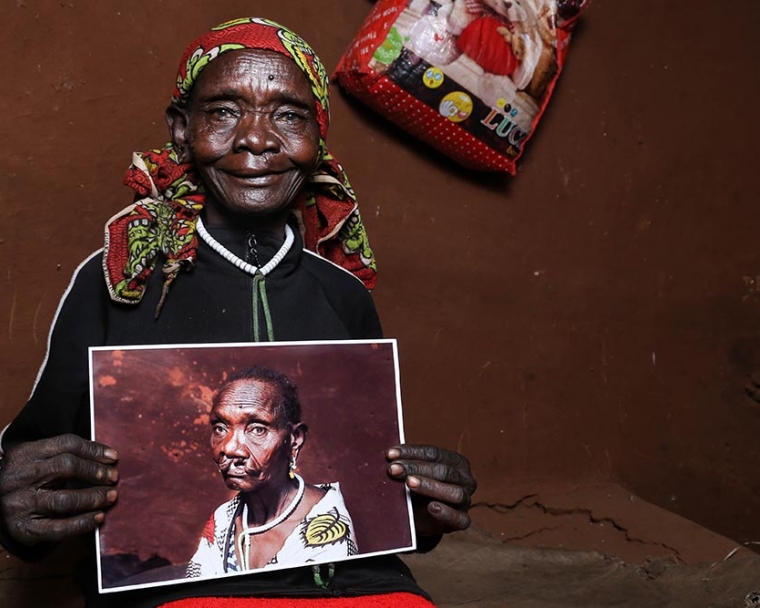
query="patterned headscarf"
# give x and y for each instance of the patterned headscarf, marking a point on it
(170, 194)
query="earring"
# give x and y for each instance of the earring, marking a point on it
(292, 468)
(184, 155)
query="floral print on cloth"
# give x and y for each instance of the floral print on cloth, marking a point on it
(326, 534)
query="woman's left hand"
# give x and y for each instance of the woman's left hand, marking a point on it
(442, 486)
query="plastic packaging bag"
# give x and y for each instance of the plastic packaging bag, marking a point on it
(470, 77)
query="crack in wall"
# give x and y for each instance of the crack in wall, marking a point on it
(504, 508)
(531, 533)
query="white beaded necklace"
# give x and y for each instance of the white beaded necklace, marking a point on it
(246, 532)
(236, 261)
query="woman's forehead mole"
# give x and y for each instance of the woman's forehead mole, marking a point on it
(238, 70)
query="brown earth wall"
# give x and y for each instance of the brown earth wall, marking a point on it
(593, 319)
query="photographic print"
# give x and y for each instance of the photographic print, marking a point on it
(240, 458)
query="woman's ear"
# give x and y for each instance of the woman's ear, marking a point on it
(176, 119)
(298, 436)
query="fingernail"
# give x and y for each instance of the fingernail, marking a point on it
(99, 518)
(413, 482)
(113, 475)
(111, 454)
(434, 507)
(393, 453)
(396, 470)
(111, 496)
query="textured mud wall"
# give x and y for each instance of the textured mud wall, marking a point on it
(594, 318)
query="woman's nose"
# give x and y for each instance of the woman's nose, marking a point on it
(234, 446)
(256, 134)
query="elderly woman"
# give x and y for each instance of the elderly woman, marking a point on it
(234, 209)
(256, 436)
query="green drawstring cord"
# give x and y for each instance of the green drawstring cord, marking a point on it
(260, 293)
(317, 570)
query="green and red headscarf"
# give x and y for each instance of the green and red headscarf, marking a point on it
(170, 194)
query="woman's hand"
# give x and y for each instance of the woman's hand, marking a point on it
(442, 486)
(55, 488)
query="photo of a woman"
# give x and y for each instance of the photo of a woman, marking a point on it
(250, 458)
(257, 434)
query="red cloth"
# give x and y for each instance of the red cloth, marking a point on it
(389, 600)
(486, 46)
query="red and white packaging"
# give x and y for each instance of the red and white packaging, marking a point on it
(470, 77)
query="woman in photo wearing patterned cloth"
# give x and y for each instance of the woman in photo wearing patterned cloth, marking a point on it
(256, 231)
(275, 519)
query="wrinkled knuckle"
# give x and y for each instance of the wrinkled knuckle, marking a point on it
(12, 474)
(459, 461)
(403, 450)
(410, 468)
(450, 495)
(53, 530)
(427, 486)
(456, 519)
(430, 452)
(22, 530)
(60, 502)
(38, 471)
(440, 471)
(78, 526)
(451, 517)
(459, 496)
(84, 524)
(65, 464)
(98, 472)
(68, 442)
(11, 505)
(16, 453)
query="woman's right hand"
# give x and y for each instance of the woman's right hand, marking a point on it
(57, 488)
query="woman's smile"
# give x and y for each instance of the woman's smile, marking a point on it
(257, 179)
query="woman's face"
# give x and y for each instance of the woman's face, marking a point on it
(249, 442)
(250, 128)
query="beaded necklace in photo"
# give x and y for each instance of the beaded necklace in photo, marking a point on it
(244, 538)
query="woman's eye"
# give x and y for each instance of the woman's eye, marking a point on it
(221, 113)
(291, 116)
